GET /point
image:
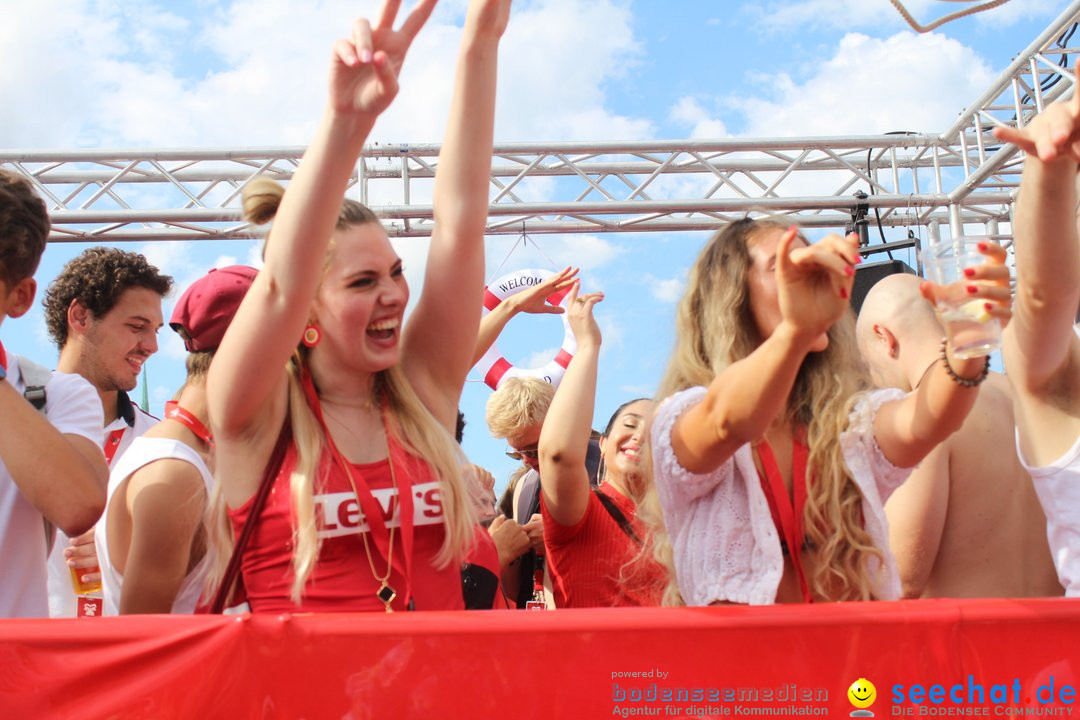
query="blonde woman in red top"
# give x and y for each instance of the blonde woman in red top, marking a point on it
(593, 538)
(370, 509)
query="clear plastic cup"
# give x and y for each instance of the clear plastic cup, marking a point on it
(971, 330)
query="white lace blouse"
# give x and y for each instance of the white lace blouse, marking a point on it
(726, 547)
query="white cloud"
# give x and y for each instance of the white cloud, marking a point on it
(667, 290)
(688, 111)
(253, 72)
(539, 358)
(1017, 10)
(846, 15)
(611, 331)
(413, 253)
(905, 82)
(254, 255)
(832, 13)
(588, 252)
(505, 254)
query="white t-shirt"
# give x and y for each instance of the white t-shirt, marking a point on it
(141, 453)
(61, 590)
(74, 408)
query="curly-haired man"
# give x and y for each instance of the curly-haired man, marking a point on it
(103, 311)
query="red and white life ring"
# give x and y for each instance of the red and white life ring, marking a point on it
(493, 366)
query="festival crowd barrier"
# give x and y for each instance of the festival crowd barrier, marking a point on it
(995, 658)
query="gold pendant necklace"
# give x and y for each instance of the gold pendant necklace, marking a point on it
(385, 593)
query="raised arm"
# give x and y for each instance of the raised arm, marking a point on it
(1038, 342)
(564, 439)
(62, 474)
(532, 301)
(268, 324)
(441, 334)
(907, 430)
(814, 284)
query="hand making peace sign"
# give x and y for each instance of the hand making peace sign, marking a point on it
(364, 69)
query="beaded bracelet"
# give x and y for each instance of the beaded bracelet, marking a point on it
(962, 381)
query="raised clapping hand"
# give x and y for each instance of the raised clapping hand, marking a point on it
(579, 315)
(1052, 134)
(364, 68)
(534, 300)
(814, 282)
(988, 282)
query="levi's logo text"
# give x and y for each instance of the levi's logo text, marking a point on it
(339, 513)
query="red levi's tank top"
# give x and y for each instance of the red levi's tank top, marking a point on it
(342, 580)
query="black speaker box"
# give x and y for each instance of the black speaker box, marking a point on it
(867, 274)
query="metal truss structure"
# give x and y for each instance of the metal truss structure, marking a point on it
(960, 177)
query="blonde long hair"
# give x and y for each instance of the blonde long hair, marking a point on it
(412, 426)
(714, 329)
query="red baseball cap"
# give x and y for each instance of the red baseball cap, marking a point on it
(206, 308)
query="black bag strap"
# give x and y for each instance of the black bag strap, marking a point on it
(277, 457)
(35, 378)
(618, 516)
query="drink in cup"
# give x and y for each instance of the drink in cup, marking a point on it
(972, 331)
(82, 588)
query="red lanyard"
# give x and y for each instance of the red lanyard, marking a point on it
(791, 518)
(538, 601)
(372, 511)
(3, 357)
(112, 443)
(173, 411)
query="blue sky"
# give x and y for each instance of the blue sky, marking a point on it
(233, 73)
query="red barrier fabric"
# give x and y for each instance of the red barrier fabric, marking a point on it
(1021, 656)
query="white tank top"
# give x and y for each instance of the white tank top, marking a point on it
(144, 451)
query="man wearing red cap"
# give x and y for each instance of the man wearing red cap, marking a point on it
(103, 311)
(151, 540)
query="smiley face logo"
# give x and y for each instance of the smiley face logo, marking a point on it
(862, 693)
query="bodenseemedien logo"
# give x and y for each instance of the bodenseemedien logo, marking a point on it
(862, 695)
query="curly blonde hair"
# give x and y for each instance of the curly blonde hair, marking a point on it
(714, 329)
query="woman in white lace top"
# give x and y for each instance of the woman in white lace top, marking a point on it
(771, 459)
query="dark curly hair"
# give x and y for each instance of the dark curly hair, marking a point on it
(24, 228)
(97, 278)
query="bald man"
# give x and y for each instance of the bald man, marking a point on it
(967, 523)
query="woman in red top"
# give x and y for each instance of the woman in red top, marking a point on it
(369, 510)
(593, 539)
